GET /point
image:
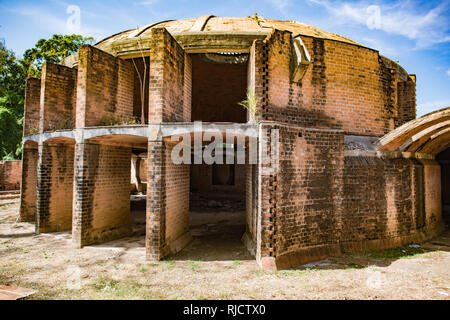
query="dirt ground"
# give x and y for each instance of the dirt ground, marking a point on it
(214, 266)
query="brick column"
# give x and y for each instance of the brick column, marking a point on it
(31, 106)
(54, 188)
(155, 228)
(101, 193)
(85, 169)
(28, 183)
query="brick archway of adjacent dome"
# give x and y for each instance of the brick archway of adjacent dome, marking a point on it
(427, 134)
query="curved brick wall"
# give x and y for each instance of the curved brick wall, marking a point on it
(346, 87)
(322, 202)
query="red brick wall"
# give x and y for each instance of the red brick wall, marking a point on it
(29, 183)
(155, 239)
(58, 92)
(217, 89)
(301, 203)
(105, 87)
(346, 87)
(176, 197)
(166, 92)
(400, 93)
(383, 198)
(55, 188)
(111, 203)
(187, 98)
(321, 202)
(101, 193)
(10, 173)
(32, 106)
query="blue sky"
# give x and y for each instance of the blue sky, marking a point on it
(415, 33)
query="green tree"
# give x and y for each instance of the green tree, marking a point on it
(12, 89)
(53, 50)
(13, 73)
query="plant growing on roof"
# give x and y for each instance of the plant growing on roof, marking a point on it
(250, 104)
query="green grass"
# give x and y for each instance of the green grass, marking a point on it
(236, 263)
(354, 265)
(292, 273)
(168, 264)
(285, 273)
(193, 265)
(143, 270)
(395, 253)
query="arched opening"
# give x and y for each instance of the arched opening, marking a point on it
(207, 203)
(217, 219)
(119, 185)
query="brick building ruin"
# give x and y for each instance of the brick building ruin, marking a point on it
(356, 171)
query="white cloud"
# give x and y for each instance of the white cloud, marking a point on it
(448, 72)
(147, 3)
(401, 18)
(280, 5)
(383, 47)
(430, 106)
(55, 23)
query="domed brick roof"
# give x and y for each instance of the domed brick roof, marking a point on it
(214, 25)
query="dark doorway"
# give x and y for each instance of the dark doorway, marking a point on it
(444, 160)
(217, 213)
(138, 185)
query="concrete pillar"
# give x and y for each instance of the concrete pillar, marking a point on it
(28, 183)
(101, 193)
